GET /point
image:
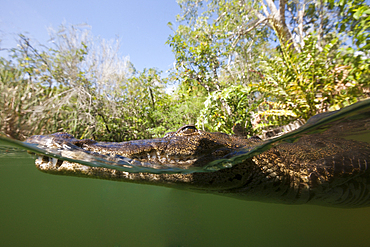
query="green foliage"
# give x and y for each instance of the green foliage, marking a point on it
(143, 95)
(207, 47)
(18, 100)
(177, 109)
(296, 83)
(196, 59)
(231, 106)
(75, 88)
(355, 24)
(312, 81)
(354, 21)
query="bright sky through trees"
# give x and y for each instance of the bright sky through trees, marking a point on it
(141, 25)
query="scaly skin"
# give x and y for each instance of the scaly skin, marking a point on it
(320, 168)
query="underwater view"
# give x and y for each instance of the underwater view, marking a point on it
(39, 209)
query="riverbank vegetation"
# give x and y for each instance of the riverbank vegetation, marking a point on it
(248, 63)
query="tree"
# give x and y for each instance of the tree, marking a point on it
(306, 73)
(80, 73)
(208, 45)
(20, 101)
(80, 86)
(241, 104)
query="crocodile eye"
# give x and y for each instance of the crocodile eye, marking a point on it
(186, 130)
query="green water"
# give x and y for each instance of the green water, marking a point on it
(38, 209)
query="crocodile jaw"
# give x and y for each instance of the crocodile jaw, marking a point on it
(181, 151)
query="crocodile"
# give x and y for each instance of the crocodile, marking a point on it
(320, 168)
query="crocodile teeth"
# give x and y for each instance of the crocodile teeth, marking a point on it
(54, 161)
(39, 158)
(163, 160)
(157, 156)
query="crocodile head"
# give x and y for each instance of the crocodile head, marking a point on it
(320, 168)
(187, 147)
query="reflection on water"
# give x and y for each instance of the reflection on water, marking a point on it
(38, 209)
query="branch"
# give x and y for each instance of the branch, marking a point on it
(244, 32)
(300, 24)
(221, 16)
(271, 6)
(282, 10)
(261, 17)
(25, 40)
(264, 8)
(151, 97)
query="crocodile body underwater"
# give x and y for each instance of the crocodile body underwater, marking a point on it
(322, 167)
